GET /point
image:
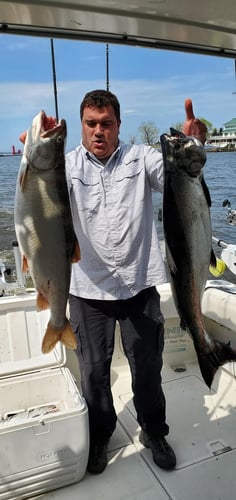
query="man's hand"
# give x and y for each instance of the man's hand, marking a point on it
(193, 126)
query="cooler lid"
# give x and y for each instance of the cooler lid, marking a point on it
(21, 332)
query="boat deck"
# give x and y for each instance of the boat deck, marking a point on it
(202, 421)
(202, 433)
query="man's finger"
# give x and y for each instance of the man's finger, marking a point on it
(23, 137)
(189, 109)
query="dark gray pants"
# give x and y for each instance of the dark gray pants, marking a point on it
(142, 332)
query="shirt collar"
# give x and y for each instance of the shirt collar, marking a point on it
(91, 156)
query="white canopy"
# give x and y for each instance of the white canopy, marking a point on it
(201, 27)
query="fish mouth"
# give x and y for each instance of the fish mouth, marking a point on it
(195, 173)
(50, 126)
(45, 127)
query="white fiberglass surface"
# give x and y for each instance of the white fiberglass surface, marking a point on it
(36, 396)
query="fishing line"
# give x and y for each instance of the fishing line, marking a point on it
(54, 80)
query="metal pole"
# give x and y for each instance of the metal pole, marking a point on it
(220, 243)
(54, 80)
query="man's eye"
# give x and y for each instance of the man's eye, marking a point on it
(102, 124)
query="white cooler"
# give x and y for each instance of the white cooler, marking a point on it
(44, 436)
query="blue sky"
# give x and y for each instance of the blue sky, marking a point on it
(150, 84)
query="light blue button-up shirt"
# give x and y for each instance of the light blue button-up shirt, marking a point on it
(113, 220)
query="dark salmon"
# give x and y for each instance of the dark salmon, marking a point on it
(188, 238)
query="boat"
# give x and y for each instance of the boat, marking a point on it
(231, 213)
(45, 442)
(202, 421)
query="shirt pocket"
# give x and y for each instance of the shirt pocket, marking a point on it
(86, 188)
(130, 183)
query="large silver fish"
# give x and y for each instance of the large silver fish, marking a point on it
(188, 238)
(43, 224)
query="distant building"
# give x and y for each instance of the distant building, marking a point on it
(230, 127)
(226, 141)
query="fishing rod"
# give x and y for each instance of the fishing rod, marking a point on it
(107, 67)
(54, 79)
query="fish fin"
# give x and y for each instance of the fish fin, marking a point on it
(76, 256)
(171, 263)
(68, 337)
(213, 261)
(23, 176)
(206, 191)
(50, 339)
(25, 266)
(41, 302)
(209, 363)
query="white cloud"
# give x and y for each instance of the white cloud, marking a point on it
(161, 101)
(128, 111)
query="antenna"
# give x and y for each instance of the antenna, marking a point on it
(54, 80)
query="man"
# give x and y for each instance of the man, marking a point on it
(110, 186)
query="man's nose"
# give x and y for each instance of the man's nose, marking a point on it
(99, 128)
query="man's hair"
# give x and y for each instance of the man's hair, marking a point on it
(100, 99)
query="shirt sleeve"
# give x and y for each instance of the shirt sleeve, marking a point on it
(154, 168)
(69, 159)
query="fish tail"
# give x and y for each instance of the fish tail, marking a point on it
(68, 337)
(50, 339)
(53, 335)
(209, 363)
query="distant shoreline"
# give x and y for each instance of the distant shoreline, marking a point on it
(3, 155)
(219, 150)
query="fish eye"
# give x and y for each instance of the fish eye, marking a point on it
(177, 146)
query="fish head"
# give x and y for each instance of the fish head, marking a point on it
(182, 153)
(45, 142)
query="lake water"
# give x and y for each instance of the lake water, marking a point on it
(220, 176)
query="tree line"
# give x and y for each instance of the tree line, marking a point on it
(148, 132)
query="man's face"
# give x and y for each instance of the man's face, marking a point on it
(100, 130)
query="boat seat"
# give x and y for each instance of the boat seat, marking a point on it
(219, 305)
